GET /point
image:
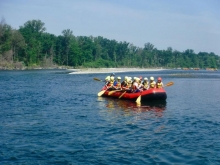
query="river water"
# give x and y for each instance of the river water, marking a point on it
(52, 117)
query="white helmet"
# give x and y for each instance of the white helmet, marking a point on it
(119, 78)
(107, 78)
(152, 78)
(145, 78)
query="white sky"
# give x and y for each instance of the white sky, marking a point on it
(180, 24)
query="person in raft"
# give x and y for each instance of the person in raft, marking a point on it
(136, 87)
(107, 80)
(124, 83)
(112, 75)
(145, 84)
(110, 84)
(141, 79)
(133, 80)
(140, 85)
(117, 84)
(152, 83)
(159, 83)
(128, 86)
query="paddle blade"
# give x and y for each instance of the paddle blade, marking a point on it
(101, 93)
(169, 84)
(138, 104)
(111, 92)
(96, 79)
(138, 99)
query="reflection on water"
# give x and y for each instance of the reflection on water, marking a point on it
(131, 107)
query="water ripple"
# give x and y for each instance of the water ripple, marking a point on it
(49, 117)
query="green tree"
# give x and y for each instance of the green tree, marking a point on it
(5, 36)
(32, 32)
(68, 35)
(17, 43)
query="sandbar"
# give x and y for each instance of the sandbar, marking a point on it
(111, 70)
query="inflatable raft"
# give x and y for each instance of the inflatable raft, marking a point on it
(146, 95)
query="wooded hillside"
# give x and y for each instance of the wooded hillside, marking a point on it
(30, 46)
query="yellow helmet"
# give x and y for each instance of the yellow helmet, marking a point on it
(128, 79)
(112, 78)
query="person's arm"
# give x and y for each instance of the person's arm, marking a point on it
(122, 84)
(141, 87)
(106, 84)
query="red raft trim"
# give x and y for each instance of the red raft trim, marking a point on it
(150, 94)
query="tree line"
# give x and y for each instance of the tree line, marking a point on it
(30, 46)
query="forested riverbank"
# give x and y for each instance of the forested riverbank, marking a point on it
(31, 46)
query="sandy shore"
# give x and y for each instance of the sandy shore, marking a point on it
(110, 70)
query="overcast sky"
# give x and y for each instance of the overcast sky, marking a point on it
(180, 24)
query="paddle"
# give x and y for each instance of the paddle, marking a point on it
(169, 84)
(139, 97)
(122, 95)
(102, 92)
(97, 79)
(111, 92)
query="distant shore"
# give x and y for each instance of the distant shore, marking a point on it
(110, 70)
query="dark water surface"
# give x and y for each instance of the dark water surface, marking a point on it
(52, 117)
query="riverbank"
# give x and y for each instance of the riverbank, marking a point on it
(88, 70)
(110, 70)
